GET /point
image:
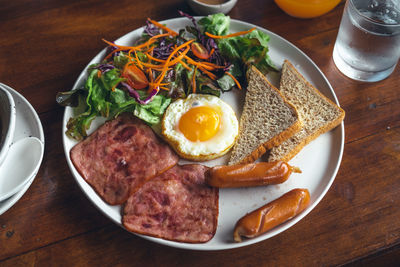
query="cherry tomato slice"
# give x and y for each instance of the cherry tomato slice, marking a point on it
(199, 50)
(136, 78)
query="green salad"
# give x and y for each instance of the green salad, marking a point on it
(163, 65)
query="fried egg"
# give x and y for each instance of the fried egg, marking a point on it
(200, 127)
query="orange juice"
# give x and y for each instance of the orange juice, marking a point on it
(306, 8)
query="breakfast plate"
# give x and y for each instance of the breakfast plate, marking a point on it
(27, 124)
(319, 161)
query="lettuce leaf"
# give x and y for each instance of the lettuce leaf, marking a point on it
(241, 51)
(217, 24)
(103, 98)
(120, 60)
(77, 126)
(177, 86)
(226, 82)
(248, 49)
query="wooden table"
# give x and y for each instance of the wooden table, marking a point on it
(46, 44)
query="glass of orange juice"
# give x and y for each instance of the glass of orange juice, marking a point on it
(306, 8)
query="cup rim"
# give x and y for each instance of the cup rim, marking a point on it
(227, 3)
(370, 19)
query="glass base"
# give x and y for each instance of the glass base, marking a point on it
(360, 75)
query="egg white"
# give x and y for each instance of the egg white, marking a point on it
(216, 146)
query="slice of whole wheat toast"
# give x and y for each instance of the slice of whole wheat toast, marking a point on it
(266, 121)
(317, 113)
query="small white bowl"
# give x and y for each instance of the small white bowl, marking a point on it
(207, 9)
(7, 122)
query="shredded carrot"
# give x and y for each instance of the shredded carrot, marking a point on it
(118, 46)
(185, 65)
(132, 48)
(162, 66)
(153, 39)
(194, 81)
(212, 52)
(206, 65)
(145, 44)
(200, 64)
(98, 73)
(164, 88)
(129, 55)
(171, 63)
(153, 66)
(112, 52)
(161, 84)
(165, 28)
(209, 74)
(179, 58)
(229, 35)
(130, 63)
(138, 61)
(234, 79)
(165, 68)
(144, 64)
(159, 36)
(150, 50)
(150, 72)
(139, 47)
(196, 63)
(154, 58)
(213, 65)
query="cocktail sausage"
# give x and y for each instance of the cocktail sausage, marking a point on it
(272, 214)
(251, 174)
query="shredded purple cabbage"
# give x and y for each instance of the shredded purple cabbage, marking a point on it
(183, 14)
(163, 50)
(103, 67)
(170, 74)
(151, 29)
(111, 48)
(132, 92)
(106, 67)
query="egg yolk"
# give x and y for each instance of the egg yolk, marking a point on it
(200, 123)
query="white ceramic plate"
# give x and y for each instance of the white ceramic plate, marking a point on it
(27, 124)
(319, 161)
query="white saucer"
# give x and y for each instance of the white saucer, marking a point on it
(27, 124)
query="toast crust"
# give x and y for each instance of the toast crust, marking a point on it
(323, 129)
(275, 141)
(272, 141)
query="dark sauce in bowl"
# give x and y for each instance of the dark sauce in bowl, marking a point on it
(213, 2)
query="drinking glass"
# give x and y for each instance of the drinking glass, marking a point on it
(367, 47)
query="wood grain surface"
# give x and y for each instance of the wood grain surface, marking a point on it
(45, 45)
